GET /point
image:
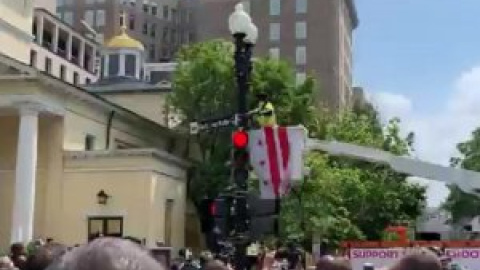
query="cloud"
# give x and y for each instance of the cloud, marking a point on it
(438, 132)
(392, 105)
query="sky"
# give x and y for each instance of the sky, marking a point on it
(419, 60)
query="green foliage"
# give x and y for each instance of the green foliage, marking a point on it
(205, 88)
(460, 204)
(369, 196)
(343, 198)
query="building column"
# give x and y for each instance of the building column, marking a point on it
(121, 68)
(69, 47)
(55, 38)
(81, 55)
(93, 63)
(25, 176)
(40, 30)
(106, 65)
(138, 66)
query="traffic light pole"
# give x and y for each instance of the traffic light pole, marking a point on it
(243, 68)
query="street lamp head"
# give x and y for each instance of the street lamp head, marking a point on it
(252, 34)
(239, 21)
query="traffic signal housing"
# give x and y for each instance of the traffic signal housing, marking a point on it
(240, 164)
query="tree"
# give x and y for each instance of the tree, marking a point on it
(343, 198)
(460, 204)
(350, 199)
(204, 88)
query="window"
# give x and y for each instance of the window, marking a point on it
(168, 221)
(301, 6)
(174, 15)
(131, 23)
(300, 30)
(90, 17)
(33, 58)
(151, 53)
(106, 226)
(89, 142)
(113, 64)
(100, 38)
(100, 18)
(154, 10)
(301, 76)
(68, 17)
(146, 8)
(63, 72)
(274, 53)
(301, 55)
(153, 30)
(274, 31)
(130, 65)
(88, 81)
(145, 28)
(165, 12)
(165, 34)
(275, 7)
(75, 78)
(173, 36)
(48, 65)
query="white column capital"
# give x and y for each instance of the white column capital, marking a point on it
(30, 108)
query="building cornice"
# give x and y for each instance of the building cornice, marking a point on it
(128, 153)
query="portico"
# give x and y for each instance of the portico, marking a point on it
(26, 116)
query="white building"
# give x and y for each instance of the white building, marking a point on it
(435, 221)
(61, 51)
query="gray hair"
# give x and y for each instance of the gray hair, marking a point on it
(107, 254)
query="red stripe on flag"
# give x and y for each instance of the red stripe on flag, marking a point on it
(284, 146)
(272, 159)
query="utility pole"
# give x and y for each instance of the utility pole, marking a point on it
(245, 34)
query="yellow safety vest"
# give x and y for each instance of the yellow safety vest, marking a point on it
(266, 115)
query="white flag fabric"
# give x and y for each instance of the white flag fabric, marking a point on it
(276, 155)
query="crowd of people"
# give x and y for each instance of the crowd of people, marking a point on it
(123, 254)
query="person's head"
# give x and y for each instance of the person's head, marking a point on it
(333, 264)
(107, 254)
(216, 265)
(205, 257)
(44, 256)
(17, 249)
(262, 96)
(418, 261)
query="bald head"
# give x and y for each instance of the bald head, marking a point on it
(107, 254)
(418, 261)
(335, 264)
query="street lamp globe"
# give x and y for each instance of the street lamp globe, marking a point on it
(252, 34)
(239, 21)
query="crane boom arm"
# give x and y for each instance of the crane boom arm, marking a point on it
(467, 181)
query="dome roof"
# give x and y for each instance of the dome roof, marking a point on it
(124, 41)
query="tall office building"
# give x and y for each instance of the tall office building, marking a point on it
(315, 36)
(162, 26)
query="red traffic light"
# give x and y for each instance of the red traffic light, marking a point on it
(240, 139)
(212, 208)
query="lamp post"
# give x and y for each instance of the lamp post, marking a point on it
(245, 35)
